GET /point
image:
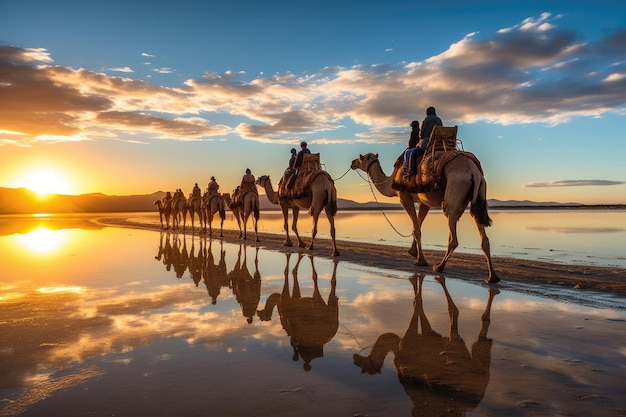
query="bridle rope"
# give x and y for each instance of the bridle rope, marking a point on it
(376, 199)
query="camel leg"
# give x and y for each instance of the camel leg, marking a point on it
(245, 226)
(409, 206)
(453, 241)
(331, 220)
(316, 216)
(486, 247)
(285, 210)
(294, 226)
(255, 222)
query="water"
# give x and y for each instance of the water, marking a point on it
(107, 321)
(578, 237)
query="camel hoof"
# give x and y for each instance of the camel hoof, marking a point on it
(335, 253)
(288, 243)
(421, 262)
(438, 268)
(492, 279)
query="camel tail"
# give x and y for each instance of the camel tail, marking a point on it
(479, 200)
(256, 211)
(331, 202)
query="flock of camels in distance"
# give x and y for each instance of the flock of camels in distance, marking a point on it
(461, 182)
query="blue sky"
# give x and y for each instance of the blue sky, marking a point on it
(134, 97)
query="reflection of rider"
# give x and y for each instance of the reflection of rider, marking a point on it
(308, 321)
(438, 373)
(246, 288)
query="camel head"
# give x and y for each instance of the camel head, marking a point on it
(363, 162)
(262, 180)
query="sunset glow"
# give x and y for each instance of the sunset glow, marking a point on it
(45, 181)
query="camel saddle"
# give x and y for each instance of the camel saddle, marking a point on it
(238, 196)
(298, 187)
(429, 176)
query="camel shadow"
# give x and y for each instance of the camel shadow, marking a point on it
(438, 373)
(310, 322)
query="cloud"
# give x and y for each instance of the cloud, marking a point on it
(122, 69)
(572, 183)
(532, 72)
(145, 54)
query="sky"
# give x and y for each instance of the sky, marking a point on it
(135, 97)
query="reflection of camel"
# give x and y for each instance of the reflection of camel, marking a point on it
(438, 373)
(309, 321)
(196, 261)
(464, 183)
(165, 251)
(246, 288)
(212, 204)
(244, 205)
(319, 195)
(215, 275)
(180, 256)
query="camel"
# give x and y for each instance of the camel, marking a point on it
(165, 211)
(464, 184)
(438, 373)
(229, 202)
(319, 194)
(179, 210)
(246, 205)
(194, 207)
(212, 204)
(310, 322)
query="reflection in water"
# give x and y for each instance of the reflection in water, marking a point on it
(42, 240)
(246, 288)
(310, 322)
(438, 373)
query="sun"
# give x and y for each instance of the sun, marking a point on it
(45, 181)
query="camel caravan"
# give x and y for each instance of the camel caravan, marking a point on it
(444, 176)
(307, 186)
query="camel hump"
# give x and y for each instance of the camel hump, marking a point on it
(443, 138)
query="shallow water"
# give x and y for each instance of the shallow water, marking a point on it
(575, 237)
(111, 321)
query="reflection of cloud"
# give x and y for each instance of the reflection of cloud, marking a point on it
(535, 71)
(572, 183)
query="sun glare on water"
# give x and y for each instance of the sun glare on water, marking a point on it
(42, 240)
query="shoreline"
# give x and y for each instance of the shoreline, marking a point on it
(469, 267)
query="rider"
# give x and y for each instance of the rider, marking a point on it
(213, 187)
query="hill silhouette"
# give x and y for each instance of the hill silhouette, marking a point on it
(25, 201)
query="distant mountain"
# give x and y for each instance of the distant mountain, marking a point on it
(23, 201)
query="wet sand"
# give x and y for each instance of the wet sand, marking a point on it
(460, 265)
